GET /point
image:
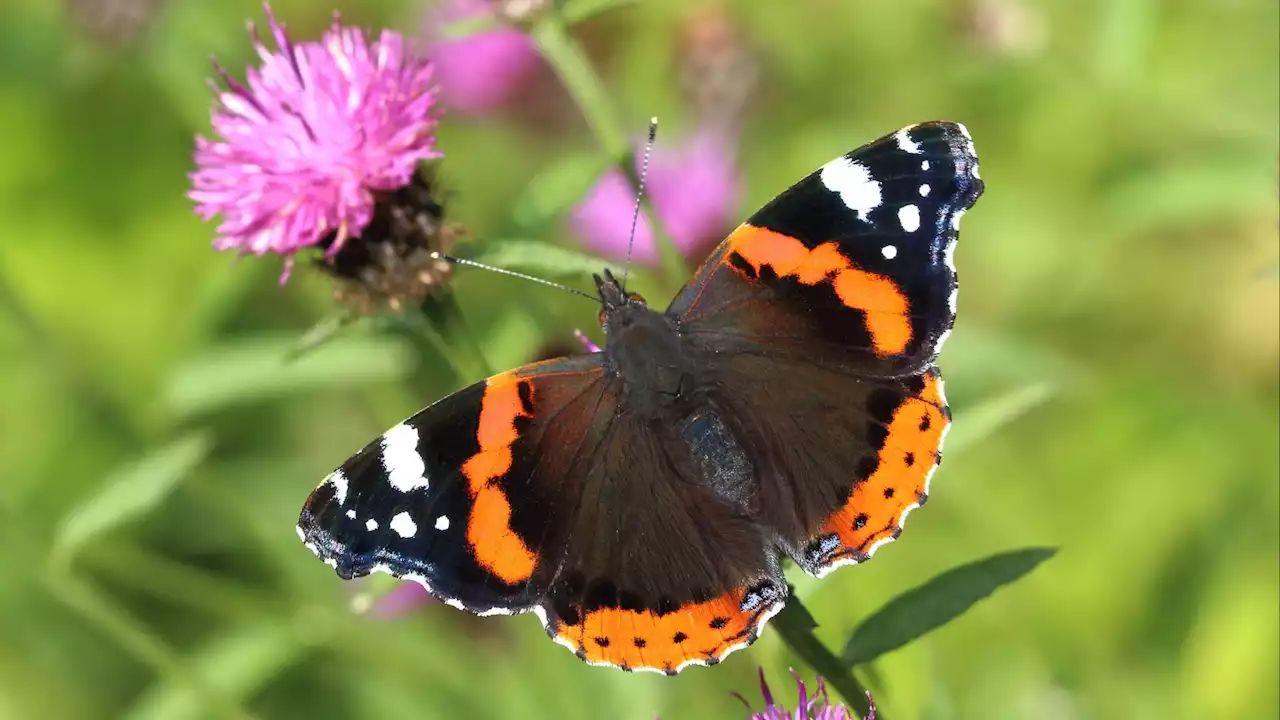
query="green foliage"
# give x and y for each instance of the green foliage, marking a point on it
(1112, 373)
(538, 258)
(913, 614)
(130, 493)
(265, 368)
(557, 188)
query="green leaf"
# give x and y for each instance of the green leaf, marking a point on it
(916, 612)
(537, 258)
(990, 416)
(235, 666)
(557, 188)
(575, 11)
(130, 493)
(256, 370)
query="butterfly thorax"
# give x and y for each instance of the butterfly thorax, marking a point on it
(644, 350)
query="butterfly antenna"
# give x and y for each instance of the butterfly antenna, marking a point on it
(512, 273)
(635, 215)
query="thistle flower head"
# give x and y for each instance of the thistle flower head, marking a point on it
(817, 706)
(302, 151)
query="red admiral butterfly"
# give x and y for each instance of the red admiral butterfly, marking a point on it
(639, 500)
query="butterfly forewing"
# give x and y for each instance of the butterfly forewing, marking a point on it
(820, 319)
(852, 266)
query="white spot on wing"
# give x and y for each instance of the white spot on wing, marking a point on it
(924, 191)
(889, 252)
(340, 486)
(404, 525)
(400, 458)
(351, 514)
(909, 216)
(371, 525)
(442, 523)
(924, 164)
(906, 143)
(942, 339)
(852, 181)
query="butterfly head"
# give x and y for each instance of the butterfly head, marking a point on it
(615, 301)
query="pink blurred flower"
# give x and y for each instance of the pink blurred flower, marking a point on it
(694, 188)
(401, 600)
(815, 707)
(303, 149)
(478, 72)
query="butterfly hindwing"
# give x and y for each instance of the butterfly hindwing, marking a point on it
(841, 461)
(852, 266)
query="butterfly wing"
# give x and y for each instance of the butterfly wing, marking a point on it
(435, 498)
(819, 320)
(537, 491)
(851, 267)
(840, 460)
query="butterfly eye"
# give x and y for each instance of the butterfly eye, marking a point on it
(637, 297)
(602, 316)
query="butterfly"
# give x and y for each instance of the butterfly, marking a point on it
(640, 500)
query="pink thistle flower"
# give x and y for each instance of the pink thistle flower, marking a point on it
(695, 190)
(809, 707)
(480, 72)
(306, 146)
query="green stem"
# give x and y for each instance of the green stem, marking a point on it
(565, 55)
(582, 82)
(795, 625)
(418, 329)
(443, 312)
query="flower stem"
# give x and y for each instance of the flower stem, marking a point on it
(582, 82)
(565, 55)
(444, 313)
(796, 627)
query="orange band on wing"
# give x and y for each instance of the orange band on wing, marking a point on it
(874, 511)
(698, 632)
(880, 299)
(496, 546)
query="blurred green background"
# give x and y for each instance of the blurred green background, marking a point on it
(1113, 372)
